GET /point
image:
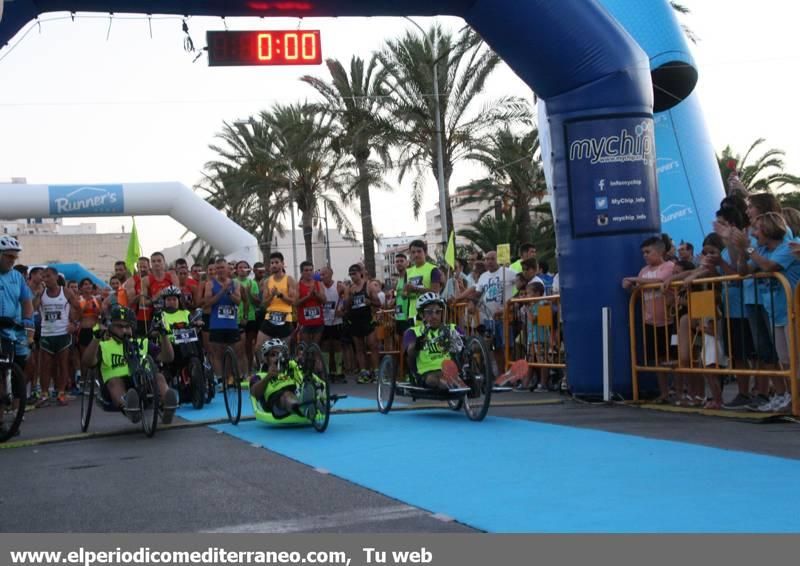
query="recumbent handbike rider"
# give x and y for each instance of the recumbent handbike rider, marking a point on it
(106, 351)
(279, 382)
(173, 317)
(431, 347)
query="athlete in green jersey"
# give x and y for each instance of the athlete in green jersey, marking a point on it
(106, 351)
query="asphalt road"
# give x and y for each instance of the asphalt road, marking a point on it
(192, 478)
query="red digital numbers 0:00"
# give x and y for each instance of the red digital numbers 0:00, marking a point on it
(233, 48)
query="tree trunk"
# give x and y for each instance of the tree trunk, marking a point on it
(367, 230)
(308, 231)
(523, 223)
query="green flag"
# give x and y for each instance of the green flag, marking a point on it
(134, 250)
(450, 254)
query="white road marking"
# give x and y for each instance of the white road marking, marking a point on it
(319, 522)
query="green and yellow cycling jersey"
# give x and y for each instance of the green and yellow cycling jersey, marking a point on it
(179, 318)
(112, 358)
(432, 356)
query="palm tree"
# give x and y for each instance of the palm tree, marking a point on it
(464, 65)
(682, 9)
(305, 143)
(762, 173)
(356, 102)
(246, 181)
(515, 178)
(490, 231)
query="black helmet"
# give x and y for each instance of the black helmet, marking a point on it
(123, 314)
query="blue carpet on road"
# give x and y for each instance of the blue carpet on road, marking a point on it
(216, 410)
(505, 475)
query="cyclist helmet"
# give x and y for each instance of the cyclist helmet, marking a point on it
(429, 299)
(272, 344)
(123, 314)
(171, 291)
(9, 244)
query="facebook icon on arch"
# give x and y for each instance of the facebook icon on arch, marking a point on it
(600, 186)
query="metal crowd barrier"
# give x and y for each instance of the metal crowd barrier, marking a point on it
(707, 312)
(534, 327)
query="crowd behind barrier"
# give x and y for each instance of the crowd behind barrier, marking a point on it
(700, 334)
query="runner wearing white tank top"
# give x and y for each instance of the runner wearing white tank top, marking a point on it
(54, 304)
(332, 332)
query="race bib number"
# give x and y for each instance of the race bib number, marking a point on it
(52, 316)
(330, 311)
(311, 313)
(227, 312)
(184, 335)
(415, 281)
(358, 301)
(277, 318)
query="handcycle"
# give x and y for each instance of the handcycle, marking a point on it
(142, 378)
(314, 393)
(474, 369)
(12, 386)
(190, 374)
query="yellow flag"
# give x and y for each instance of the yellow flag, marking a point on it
(134, 250)
(450, 254)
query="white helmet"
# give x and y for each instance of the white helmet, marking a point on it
(428, 298)
(272, 344)
(9, 244)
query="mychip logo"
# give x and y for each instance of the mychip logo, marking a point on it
(665, 164)
(675, 211)
(628, 146)
(85, 200)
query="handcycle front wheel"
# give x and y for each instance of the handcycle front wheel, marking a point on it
(149, 396)
(231, 386)
(197, 383)
(12, 403)
(387, 380)
(477, 374)
(315, 375)
(87, 397)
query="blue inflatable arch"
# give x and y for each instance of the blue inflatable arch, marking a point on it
(596, 82)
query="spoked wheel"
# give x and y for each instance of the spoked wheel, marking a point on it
(87, 397)
(12, 401)
(231, 386)
(478, 375)
(318, 410)
(197, 381)
(387, 379)
(312, 359)
(208, 373)
(149, 396)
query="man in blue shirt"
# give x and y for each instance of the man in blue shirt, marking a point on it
(15, 299)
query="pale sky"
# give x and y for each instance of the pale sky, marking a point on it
(78, 108)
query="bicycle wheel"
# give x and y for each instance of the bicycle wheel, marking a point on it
(197, 383)
(319, 413)
(12, 403)
(208, 373)
(387, 378)
(87, 397)
(149, 396)
(478, 375)
(231, 386)
(313, 360)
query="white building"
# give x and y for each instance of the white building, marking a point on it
(463, 215)
(391, 245)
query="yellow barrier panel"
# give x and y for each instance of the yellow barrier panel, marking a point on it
(688, 329)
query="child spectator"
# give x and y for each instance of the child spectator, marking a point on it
(656, 324)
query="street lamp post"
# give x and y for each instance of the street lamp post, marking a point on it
(439, 147)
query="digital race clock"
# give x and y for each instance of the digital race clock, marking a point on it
(281, 47)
